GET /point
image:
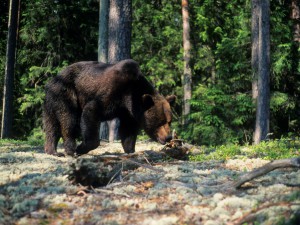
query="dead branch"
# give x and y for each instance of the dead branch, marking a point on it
(281, 163)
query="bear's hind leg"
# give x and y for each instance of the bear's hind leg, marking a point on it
(52, 133)
(128, 131)
(90, 125)
(69, 126)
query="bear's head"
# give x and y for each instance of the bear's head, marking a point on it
(158, 116)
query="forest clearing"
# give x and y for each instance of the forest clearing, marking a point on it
(35, 189)
(232, 66)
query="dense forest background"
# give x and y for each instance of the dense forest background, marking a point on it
(55, 33)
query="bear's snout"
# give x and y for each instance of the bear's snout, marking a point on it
(163, 134)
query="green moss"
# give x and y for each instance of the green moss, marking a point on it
(58, 207)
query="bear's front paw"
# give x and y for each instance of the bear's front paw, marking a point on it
(69, 153)
(128, 151)
(81, 150)
(60, 154)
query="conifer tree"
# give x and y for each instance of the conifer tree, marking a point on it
(7, 110)
(103, 48)
(263, 78)
(119, 41)
(187, 72)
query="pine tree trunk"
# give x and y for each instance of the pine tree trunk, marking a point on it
(263, 98)
(103, 31)
(103, 48)
(7, 110)
(295, 15)
(187, 72)
(254, 41)
(119, 30)
(119, 44)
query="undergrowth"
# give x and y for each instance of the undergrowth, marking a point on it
(270, 150)
(37, 139)
(12, 142)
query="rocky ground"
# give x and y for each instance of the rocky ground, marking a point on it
(35, 189)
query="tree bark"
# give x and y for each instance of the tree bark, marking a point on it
(103, 48)
(280, 163)
(254, 41)
(263, 98)
(187, 72)
(103, 31)
(7, 110)
(119, 43)
(119, 30)
(295, 16)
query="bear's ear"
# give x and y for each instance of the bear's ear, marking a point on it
(171, 99)
(147, 101)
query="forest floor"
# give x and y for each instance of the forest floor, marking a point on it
(35, 189)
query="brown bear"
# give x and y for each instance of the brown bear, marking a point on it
(86, 93)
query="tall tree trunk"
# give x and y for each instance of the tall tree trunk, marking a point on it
(119, 30)
(254, 41)
(103, 31)
(263, 98)
(295, 49)
(295, 15)
(7, 110)
(103, 48)
(187, 72)
(119, 43)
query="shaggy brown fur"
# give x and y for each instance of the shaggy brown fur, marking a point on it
(86, 93)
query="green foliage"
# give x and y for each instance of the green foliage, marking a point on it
(222, 108)
(55, 33)
(11, 142)
(156, 42)
(222, 152)
(276, 149)
(270, 150)
(218, 117)
(36, 137)
(33, 84)
(52, 35)
(284, 69)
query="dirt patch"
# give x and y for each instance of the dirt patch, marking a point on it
(35, 189)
